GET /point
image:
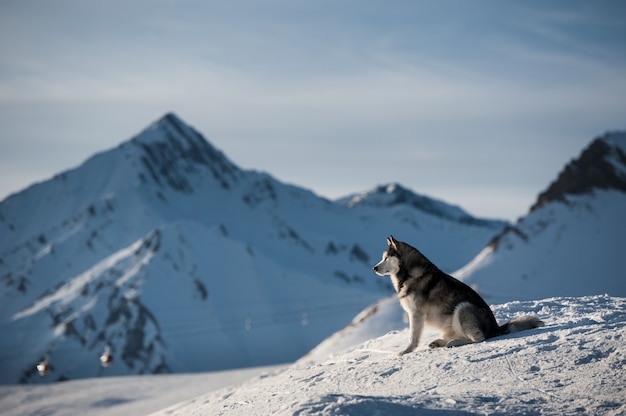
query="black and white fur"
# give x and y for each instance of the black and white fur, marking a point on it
(430, 296)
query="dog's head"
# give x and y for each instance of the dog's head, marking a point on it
(390, 263)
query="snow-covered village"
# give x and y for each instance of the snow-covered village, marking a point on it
(321, 208)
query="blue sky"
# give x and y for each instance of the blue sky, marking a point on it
(479, 103)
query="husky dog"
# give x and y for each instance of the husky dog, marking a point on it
(430, 296)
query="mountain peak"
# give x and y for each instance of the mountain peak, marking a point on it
(170, 121)
(602, 165)
(394, 194)
(386, 195)
(172, 149)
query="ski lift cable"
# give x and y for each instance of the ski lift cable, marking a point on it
(256, 320)
(162, 312)
(216, 327)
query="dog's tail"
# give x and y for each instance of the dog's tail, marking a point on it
(521, 323)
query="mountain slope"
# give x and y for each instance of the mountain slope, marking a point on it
(168, 254)
(571, 242)
(444, 232)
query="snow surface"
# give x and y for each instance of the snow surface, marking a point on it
(113, 396)
(574, 365)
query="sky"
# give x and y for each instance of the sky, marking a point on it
(480, 103)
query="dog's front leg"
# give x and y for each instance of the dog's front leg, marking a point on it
(416, 324)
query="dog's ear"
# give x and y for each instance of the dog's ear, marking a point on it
(391, 242)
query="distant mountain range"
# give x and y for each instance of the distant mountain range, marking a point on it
(168, 255)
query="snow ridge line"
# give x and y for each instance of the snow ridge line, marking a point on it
(74, 285)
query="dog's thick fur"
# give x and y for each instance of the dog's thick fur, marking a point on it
(430, 296)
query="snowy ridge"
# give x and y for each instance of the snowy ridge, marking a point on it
(70, 290)
(172, 150)
(394, 194)
(617, 153)
(570, 243)
(600, 166)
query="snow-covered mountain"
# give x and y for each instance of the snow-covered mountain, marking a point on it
(168, 254)
(573, 240)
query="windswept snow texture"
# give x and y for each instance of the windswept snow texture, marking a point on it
(165, 252)
(573, 365)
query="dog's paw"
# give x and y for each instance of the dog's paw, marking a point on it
(458, 342)
(438, 343)
(407, 350)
